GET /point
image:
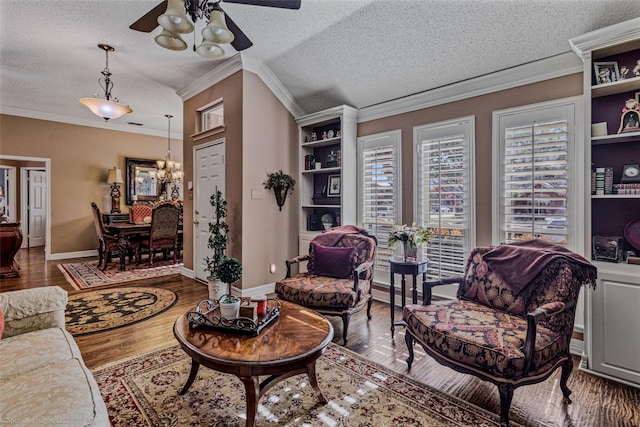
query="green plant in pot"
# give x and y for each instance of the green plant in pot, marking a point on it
(327, 221)
(229, 271)
(281, 184)
(218, 239)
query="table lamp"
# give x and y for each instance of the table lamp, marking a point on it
(115, 178)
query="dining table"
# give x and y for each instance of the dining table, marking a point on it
(125, 231)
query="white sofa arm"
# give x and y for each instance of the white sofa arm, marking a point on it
(33, 309)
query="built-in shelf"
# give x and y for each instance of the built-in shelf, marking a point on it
(322, 142)
(322, 170)
(616, 138)
(605, 89)
(616, 196)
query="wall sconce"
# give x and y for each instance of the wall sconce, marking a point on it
(115, 179)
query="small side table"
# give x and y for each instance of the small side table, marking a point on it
(402, 267)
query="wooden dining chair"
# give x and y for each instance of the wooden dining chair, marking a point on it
(163, 233)
(107, 242)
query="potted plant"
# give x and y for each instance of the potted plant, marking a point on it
(218, 239)
(281, 184)
(327, 221)
(228, 271)
(411, 237)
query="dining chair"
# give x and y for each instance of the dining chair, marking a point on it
(107, 242)
(163, 233)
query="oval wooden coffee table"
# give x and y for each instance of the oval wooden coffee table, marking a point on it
(289, 345)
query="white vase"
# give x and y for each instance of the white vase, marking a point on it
(326, 225)
(230, 310)
(216, 289)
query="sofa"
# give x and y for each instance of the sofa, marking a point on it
(43, 379)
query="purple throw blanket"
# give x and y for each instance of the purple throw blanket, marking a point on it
(333, 235)
(520, 262)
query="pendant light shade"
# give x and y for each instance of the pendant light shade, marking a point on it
(170, 40)
(210, 50)
(106, 108)
(216, 30)
(175, 18)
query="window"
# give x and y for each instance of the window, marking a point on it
(212, 117)
(536, 170)
(379, 198)
(444, 193)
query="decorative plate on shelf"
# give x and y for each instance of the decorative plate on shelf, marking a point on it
(330, 134)
(632, 233)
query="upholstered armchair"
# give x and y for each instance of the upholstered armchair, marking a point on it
(340, 273)
(512, 321)
(107, 243)
(163, 233)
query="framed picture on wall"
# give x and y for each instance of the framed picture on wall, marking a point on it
(333, 186)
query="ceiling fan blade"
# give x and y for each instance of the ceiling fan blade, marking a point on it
(283, 4)
(149, 21)
(240, 41)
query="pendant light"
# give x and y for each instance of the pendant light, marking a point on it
(106, 108)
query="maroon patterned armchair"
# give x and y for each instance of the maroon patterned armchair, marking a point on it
(339, 276)
(512, 320)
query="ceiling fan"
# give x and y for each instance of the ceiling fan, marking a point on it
(171, 15)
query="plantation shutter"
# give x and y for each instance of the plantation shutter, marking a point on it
(535, 181)
(443, 189)
(380, 193)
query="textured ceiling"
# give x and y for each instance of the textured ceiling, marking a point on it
(330, 52)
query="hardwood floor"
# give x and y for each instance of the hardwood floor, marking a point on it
(596, 401)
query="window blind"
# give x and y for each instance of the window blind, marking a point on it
(443, 188)
(380, 194)
(535, 181)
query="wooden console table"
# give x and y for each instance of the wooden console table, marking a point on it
(10, 241)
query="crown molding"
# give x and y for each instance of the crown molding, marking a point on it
(603, 37)
(221, 72)
(39, 115)
(534, 72)
(274, 84)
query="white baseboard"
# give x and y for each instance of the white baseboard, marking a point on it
(187, 272)
(79, 254)
(268, 288)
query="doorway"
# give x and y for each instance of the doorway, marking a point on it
(21, 198)
(33, 185)
(209, 175)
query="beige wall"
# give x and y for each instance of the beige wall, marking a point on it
(269, 144)
(482, 108)
(80, 157)
(230, 90)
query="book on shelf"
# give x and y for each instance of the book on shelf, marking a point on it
(608, 180)
(600, 181)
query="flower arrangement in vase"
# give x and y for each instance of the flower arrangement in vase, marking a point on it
(281, 184)
(410, 236)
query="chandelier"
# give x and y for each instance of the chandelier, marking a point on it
(168, 169)
(106, 108)
(175, 22)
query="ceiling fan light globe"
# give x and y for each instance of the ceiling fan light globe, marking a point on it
(216, 30)
(175, 18)
(170, 40)
(210, 50)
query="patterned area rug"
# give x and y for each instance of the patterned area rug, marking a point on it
(85, 275)
(96, 311)
(143, 391)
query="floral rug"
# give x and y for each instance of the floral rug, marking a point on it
(96, 311)
(143, 391)
(85, 275)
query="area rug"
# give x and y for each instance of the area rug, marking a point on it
(96, 311)
(143, 391)
(85, 275)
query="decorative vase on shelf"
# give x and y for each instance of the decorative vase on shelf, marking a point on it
(409, 252)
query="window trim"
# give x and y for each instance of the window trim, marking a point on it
(575, 167)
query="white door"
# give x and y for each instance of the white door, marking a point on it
(209, 170)
(37, 207)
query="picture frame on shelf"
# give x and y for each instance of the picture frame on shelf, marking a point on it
(638, 97)
(334, 186)
(606, 72)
